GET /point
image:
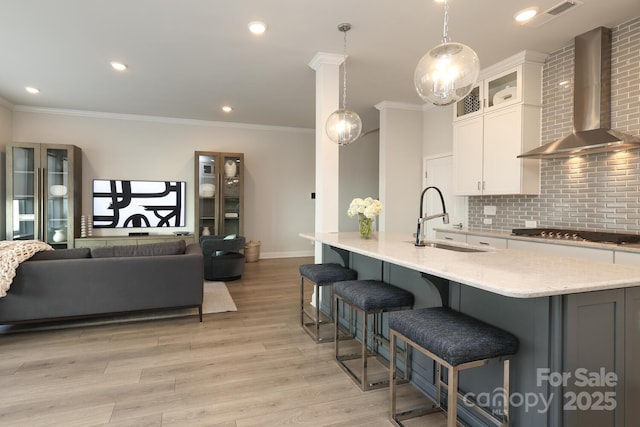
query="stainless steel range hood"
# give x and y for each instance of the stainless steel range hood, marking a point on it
(592, 131)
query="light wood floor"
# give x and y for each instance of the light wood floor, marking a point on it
(253, 367)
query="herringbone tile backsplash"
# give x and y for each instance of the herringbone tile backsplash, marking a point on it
(596, 192)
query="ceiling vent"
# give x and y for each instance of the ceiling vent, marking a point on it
(553, 12)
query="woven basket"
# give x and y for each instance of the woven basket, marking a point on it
(252, 251)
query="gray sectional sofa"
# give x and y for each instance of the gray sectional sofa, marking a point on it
(84, 282)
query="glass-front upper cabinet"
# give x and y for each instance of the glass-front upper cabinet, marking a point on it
(517, 79)
(44, 193)
(470, 105)
(504, 88)
(219, 193)
(496, 91)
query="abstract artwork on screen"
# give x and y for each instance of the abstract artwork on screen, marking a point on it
(138, 204)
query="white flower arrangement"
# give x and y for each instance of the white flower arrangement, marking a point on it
(368, 207)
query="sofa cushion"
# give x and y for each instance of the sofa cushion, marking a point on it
(176, 247)
(73, 253)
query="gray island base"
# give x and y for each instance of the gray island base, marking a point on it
(578, 323)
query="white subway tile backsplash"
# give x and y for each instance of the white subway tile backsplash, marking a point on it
(596, 192)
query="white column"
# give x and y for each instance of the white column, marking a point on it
(327, 68)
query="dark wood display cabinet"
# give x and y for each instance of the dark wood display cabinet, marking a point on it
(219, 193)
(44, 188)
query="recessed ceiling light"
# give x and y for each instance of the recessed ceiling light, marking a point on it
(257, 27)
(118, 66)
(32, 90)
(227, 109)
(525, 14)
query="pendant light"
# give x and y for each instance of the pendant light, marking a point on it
(344, 126)
(446, 73)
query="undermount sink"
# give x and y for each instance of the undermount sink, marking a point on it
(447, 247)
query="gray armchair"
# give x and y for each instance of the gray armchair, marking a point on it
(223, 258)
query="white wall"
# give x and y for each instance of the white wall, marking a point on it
(400, 166)
(279, 164)
(438, 131)
(358, 175)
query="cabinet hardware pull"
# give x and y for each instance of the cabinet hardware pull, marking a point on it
(484, 243)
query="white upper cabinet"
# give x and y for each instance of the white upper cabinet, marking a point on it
(496, 122)
(467, 156)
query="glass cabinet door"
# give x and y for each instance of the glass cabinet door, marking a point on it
(56, 195)
(470, 105)
(207, 201)
(23, 209)
(231, 194)
(503, 89)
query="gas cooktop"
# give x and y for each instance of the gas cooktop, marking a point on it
(579, 235)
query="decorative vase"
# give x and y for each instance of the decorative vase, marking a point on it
(207, 190)
(206, 231)
(59, 236)
(58, 190)
(366, 226)
(230, 168)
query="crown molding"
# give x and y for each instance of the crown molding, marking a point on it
(512, 61)
(324, 58)
(156, 119)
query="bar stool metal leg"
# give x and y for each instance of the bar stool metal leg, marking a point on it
(322, 276)
(371, 327)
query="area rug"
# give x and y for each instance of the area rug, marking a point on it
(216, 299)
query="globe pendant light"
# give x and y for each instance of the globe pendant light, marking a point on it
(344, 126)
(446, 73)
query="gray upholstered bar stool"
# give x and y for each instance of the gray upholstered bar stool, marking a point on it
(457, 342)
(321, 275)
(368, 298)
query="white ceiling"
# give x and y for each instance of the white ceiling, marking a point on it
(189, 57)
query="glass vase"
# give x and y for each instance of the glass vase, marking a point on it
(366, 226)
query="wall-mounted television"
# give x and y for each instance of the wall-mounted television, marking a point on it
(138, 204)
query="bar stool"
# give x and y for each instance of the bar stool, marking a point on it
(457, 342)
(368, 298)
(321, 275)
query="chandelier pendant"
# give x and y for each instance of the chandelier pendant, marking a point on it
(448, 72)
(344, 126)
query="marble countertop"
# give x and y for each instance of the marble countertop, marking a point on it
(507, 272)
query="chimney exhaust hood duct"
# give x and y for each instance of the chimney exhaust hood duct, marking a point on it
(592, 131)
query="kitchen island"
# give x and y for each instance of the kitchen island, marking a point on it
(578, 323)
